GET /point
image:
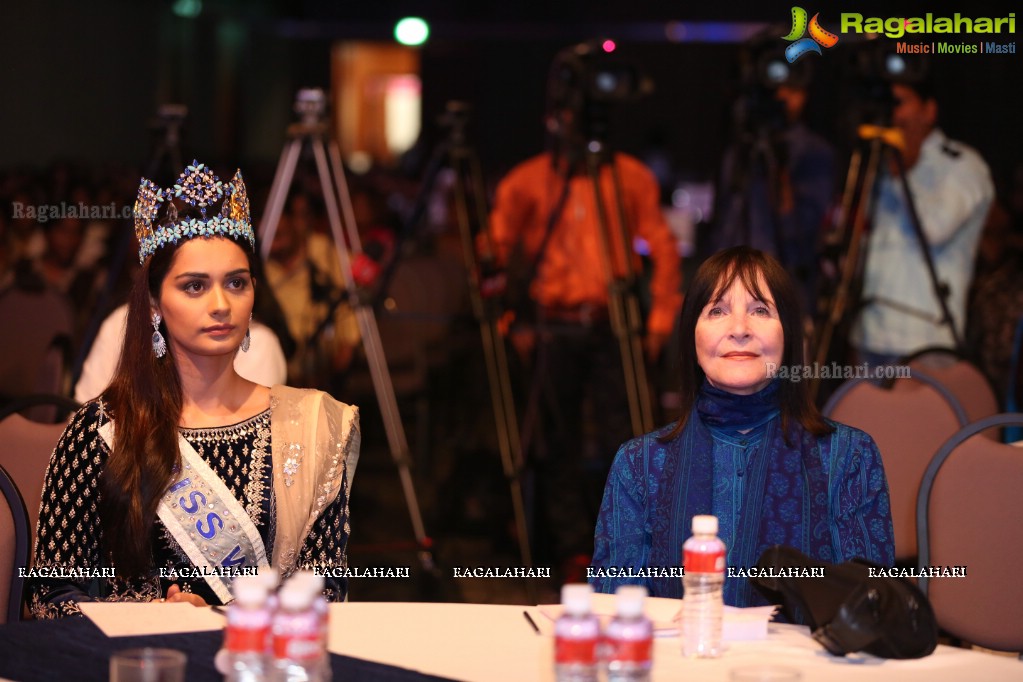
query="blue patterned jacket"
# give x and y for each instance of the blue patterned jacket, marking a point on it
(827, 496)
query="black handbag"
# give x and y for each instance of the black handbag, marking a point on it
(847, 608)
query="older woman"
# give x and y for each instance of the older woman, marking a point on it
(749, 448)
(183, 472)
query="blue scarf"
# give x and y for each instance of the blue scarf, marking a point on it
(786, 485)
(732, 413)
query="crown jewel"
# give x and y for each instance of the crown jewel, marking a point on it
(197, 186)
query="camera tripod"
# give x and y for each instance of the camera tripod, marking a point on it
(166, 156)
(581, 90)
(169, 119)
(623, 304)
(751, 197)
(624, 313)
(455, 153)
(857, 207)
(311, 129)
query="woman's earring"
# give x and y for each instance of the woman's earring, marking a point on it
(247, 341)
(159, 344)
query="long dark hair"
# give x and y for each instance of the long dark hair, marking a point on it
(712, 279)
(145, 401)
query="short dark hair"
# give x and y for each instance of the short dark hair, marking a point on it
(712, 279)
(923, 85)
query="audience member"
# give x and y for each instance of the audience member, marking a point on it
(952, 192)
(996, 298)
(546, 230)
(777, 184)
(305, 275)
(273, 461)
(751, 448)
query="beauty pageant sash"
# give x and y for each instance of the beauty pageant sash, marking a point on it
(207, 521)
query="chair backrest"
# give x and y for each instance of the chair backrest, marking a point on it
(961, 377)
(1014, 390)
(25, 449)
(45, 408)
(909, 422)
(968, 514)
(30, 362)
(14, 549)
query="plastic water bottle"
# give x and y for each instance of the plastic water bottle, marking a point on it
(270, 577)
(629, 637)
(314, 584)
(271, 580)
(704, 580)
(576, 635)
(248, 631)
(297, 648)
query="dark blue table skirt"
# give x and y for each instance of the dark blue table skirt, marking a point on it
(73, 649)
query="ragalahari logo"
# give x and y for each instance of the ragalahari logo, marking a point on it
(818, 36)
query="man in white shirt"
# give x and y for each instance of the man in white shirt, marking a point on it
(952, 191)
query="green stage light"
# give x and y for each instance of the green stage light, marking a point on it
(411, 31)
(187, 9)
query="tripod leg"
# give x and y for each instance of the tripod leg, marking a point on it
(849, 193)
(345, 197)
(377, 364)
(475, 176)
(392, 421)
(850, 196)
(634, 321)
(531, 414)
(501, 397)
(620, 313)
(852, 265)
(941, 291)
(507, 434)
(278, 195)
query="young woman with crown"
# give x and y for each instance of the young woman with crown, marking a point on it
(183, 475)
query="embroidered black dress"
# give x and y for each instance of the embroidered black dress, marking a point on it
(69, 536)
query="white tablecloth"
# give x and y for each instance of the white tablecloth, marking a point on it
(494, 643)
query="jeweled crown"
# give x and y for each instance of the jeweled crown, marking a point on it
(197, 186)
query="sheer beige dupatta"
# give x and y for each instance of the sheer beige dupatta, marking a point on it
(315, 441)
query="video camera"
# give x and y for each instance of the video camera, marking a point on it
(169, 116)
(872, 67)
(585, 80)
(310, 105)
(763, 69)
(879, 60)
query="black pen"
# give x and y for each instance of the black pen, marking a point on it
(531, 621)
(219, 609)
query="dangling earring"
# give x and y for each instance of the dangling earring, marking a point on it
(159, 344)
(247, 341)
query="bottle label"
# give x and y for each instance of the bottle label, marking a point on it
(302, 647)
(575, 651)
(243, 640)
(629, 651)
(704, 562)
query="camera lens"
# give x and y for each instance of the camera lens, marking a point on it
(777, 72)
(606, 81)
(894, 65)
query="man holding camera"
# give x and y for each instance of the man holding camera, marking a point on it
(545, 220)
(952, 191)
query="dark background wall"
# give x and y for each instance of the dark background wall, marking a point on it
(81, 81)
